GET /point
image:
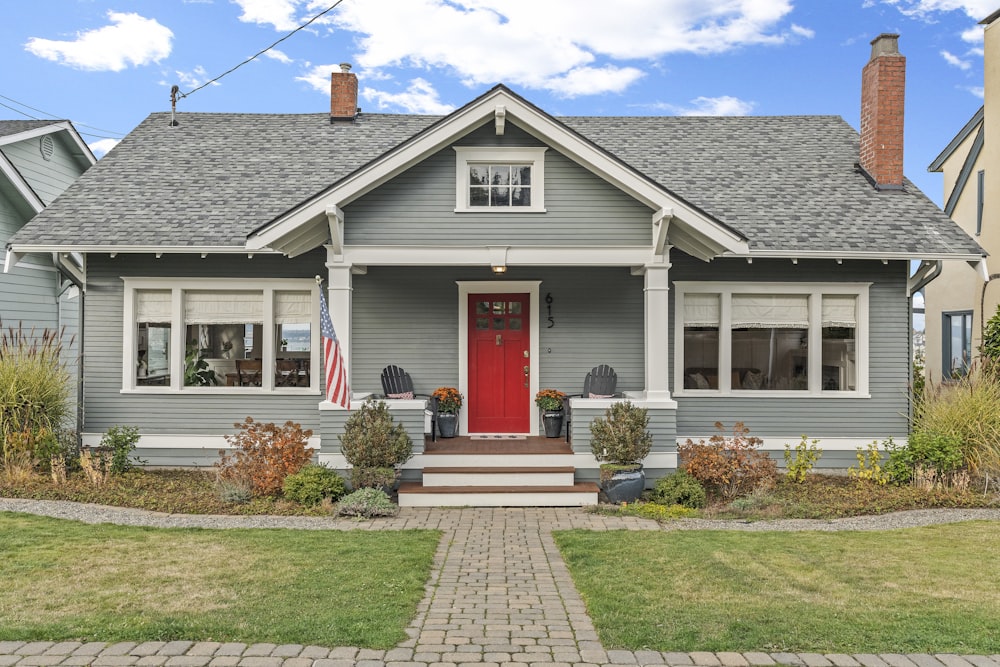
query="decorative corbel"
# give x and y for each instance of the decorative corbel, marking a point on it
(661, 225)
(499, 118)
(335, 219)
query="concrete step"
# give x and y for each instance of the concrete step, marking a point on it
(414, 494)
(515, 476)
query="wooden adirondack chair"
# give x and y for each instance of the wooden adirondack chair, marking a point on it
(397, 384)
(601, 382)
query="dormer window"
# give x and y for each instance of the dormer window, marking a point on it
(500, 179)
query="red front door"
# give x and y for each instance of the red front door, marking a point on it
(498, 363)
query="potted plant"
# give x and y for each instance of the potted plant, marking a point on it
(449, 402)
(375, 446)
(551, 403)
(620, 438)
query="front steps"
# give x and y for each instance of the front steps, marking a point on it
(471, 473)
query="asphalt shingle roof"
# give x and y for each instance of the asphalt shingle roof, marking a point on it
(9, 127)
(786, 183)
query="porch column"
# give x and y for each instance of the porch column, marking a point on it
(338, 299)
(657, 291)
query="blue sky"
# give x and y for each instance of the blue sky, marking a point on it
(106, 64)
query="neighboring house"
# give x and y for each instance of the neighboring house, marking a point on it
(39, 159)
(962, 296)
(729, 269)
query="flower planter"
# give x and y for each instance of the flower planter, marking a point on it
(447, 424)
(552, 420)
(624, 486)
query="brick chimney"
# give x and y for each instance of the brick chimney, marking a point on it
(883, 81)
(343, 94)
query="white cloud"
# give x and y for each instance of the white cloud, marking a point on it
(977, 91)
(955, 61)
(318, 76)
(278, 13)
(724, 105)
(102, 146)
(975, 9)
(196, 77)
(420, 97)
(280, 56)
(130, 40)
(973, 35)
(552, 45)
(977, 52)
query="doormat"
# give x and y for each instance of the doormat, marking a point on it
(499, 437)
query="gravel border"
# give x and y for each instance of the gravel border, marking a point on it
(94, 514)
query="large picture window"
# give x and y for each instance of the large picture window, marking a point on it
(220, 335)
(790, 339)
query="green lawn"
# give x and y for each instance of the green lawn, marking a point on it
(933, 589)
(66, 580)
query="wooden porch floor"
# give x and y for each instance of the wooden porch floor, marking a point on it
(466, 445)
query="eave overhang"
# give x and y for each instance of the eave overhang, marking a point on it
(307, 225)
(83, 155)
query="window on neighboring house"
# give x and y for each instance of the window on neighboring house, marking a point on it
(223, 333)
(980, 193)
(957, 343)
(500, 179)
(802, 339)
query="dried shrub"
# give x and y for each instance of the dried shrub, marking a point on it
(730, 466)
(96, 465)
(265, 454)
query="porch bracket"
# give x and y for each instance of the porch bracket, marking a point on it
(499, 118)
(661, 225)
(335, 219)
(11, 259)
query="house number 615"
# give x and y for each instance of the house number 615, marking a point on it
(548, 305)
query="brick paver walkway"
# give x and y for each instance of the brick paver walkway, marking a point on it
(499, 596)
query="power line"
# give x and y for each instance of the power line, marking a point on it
(262, 52)
(54, 116)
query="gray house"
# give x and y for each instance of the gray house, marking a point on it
(39, 159)
(749, 269)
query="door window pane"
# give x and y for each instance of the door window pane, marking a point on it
(498, 323)
(514, 323)
(514, 307)
(482, 323)
(482, 307)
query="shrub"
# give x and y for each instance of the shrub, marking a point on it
(928, 452)
(990, 347)
(236, 491)
(374, 478)
(730, 466)
(121, 442)
(265, 454)
(312, 484)
(620, 437)
(372, 440)
(869, 468)
(967, 409)
(367, 503)
(801, 463)
(57, 452)
(35, 390)
(679, 488)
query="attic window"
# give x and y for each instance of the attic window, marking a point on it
(500, 179)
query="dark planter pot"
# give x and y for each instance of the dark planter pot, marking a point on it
(624, 486)
(447, 423)
(553, 421)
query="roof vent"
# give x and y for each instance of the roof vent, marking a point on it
(46, 147)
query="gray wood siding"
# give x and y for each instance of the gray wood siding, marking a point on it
(409, 317)
(28, 298)
(882, 415)
(176, 413)
(662, 425)
(332, 426)
(47, 178)
(417, 207)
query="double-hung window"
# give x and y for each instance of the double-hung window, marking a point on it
(220, 335)
(957, 340)
(500, 179)
(793, 339)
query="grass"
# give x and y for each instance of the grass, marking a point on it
(64, 580)
(934, 589)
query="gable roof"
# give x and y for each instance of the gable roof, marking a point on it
(11, 127)
(788, 185)
(977, 119)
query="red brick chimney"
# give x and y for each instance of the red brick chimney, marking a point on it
(883, 81)
(343, 94)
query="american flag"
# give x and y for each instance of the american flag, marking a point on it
(337, 390)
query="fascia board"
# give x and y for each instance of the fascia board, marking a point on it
(938, 163)
(137, 249)
(54, 128)
(14, 176)
(853, 254)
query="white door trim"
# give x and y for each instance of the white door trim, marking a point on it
(467, 287)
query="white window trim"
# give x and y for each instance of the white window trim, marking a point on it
(815, 292)
(177, 286)
(529, 155)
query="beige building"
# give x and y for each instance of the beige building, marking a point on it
(959, 299)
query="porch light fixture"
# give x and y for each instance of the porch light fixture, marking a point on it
(499, 268)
